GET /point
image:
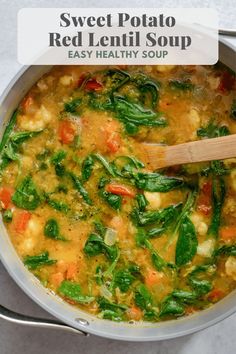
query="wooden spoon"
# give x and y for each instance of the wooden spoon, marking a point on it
(160, 156)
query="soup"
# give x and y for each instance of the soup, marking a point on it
(89, 217)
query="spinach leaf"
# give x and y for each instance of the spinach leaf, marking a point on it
(218, 168)
(108, 274)
(10, 151)
(203, 268)
(233, 110)
(93, 245)
(33, 262)
(72, 291)
(183, 85)
(96, 245)
(19, 138)
(132, 113)
(151, 315)
(72, 106)
(171, 307)
(7, 215)
(201, 286)
(142, 241)
(26, 195)
(229, 250)
(155, 232)
(123, 279)
(163, 217)
(147, 87)
(110, 310)
(155, 182)
(182, 215)
(213, 131)
(52, 230)
(113, 315)
(184, 296)
(143, 298)
(123, 166)
(158, 262)
(57, 204)
(186, 246)
(80, 188)
(142, 201)
(99, 275)
(218, 197)
(174, 304)
(56, 160)
(116, 78)
(99, 227)
(8, 130)
(58, 157)
(141, 237)
(87, 168)
(105, 164)
(113, 200)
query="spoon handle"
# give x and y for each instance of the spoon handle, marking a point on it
(196, 151)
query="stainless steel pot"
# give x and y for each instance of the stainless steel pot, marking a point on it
(74, 319)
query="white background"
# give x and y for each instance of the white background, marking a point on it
(219, 339)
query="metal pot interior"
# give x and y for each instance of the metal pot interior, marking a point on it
(55, 305)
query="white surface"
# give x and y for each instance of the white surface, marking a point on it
(24, 340)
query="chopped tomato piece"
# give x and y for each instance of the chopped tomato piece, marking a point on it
(228, 233)
(113, 142)
(66, 131)
(215, 295)
(153, 277)
(82, 78)
(204, 209)
(119, 189)
(21, 220)
(204, 200)
(207, 188)
(111, 136)
(227, 82)
(134, 313)
(93, 85)
(5, 196)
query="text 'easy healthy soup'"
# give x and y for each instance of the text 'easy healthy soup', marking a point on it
(89, 217)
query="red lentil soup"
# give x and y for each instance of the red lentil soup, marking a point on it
(89, 217)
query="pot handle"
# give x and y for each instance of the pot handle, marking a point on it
(228, 32)
(18, 318)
